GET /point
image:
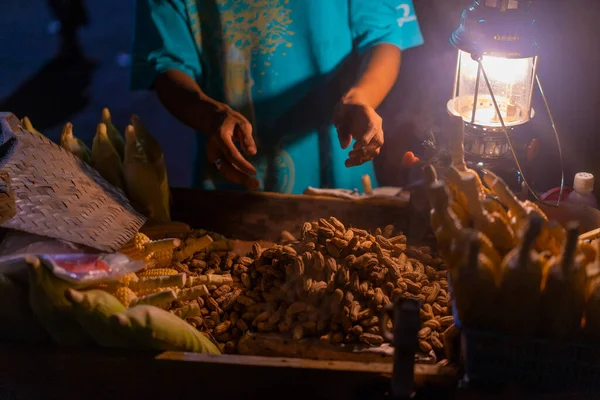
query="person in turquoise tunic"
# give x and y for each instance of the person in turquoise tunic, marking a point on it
(282, 93)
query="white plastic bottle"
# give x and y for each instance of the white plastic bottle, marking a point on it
(583, 186)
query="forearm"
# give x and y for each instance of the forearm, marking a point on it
(378, 74)
(184, 99)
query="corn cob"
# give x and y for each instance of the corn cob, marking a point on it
(188, 311)
(157, 272)
(586, 252)
(145, 292)
(521, 281)
(156, 158)
(163, 251)
(474, 275)
(144, 186)
(129, 279)
(135, 248)
(210, 279)
(459, 210)
(494, 225)
(193, 293)
(193, 246)
(457, 153)
(447, 228)
(564, 290)
(125, 295)
(113, 134)
(158, 246)
(150, 264)
(158, 282)
(552, 235)
(106, 160)
(162, 259)
(158, 299)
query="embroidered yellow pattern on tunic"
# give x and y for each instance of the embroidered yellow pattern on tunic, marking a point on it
(257, 26)
(248, 28)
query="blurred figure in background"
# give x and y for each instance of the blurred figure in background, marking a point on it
(72, 15)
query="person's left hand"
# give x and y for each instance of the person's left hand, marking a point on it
(356, 120)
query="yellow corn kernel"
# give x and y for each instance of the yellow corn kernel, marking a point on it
(125, 295)
(140, 239)
(157, 272)
(135, 248)
(162, 258)
(126, 280)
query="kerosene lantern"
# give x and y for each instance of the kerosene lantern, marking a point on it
(495, 79)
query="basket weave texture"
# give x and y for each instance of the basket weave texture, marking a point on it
(59, 196)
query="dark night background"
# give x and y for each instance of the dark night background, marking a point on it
(30, 84)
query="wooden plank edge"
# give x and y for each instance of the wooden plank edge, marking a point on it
(381, 201)
(424, 373)
(278, 362)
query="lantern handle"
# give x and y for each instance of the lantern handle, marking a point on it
(556, 136)
(497, 108)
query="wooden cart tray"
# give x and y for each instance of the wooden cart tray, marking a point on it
(317, 370)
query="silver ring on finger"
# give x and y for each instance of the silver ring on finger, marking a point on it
(218, 163)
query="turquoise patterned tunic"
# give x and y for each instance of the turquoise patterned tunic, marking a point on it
(283, 64)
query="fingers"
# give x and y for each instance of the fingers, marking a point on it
(370, 129)
(363, 153)
(345, 137)
(231, 153)
(343, 130)
(342, 126)
(234, 167)
(371, 132)
(243, 132)
(359, 158)
(232, 174)
(375, 140)
(227, 169)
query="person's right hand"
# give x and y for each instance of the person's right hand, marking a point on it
(228, 127)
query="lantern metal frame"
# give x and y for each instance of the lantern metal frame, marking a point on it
(506, 29)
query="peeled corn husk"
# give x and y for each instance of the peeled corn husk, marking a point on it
(492, 225)
(564, 291)
(447, 228)
(106, 160)
(521, 282)
(144, 187)
(116, 139)
(29, 127)
(74, 145)
(155, 157)
(474, 277)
